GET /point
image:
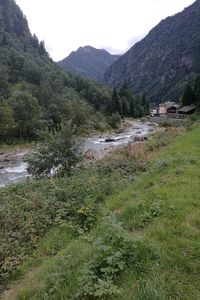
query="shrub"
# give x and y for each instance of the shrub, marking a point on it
(58, 154)
(115, 120)
(113, 251)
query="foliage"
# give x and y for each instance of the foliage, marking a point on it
(160, 214)
(41, 95)
(115, 120)
(54, 116)
(197, 89)
(116, 103)
(6, 119)
(127, 105)
(26, 113)
(191, 94)
(57, 156)
(113, 252)
(188, 96)
(4, 85)
(30, 210)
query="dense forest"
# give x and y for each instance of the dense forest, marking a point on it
(35, 94)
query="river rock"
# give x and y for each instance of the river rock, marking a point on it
(91, 154)
(6, 160)
(140, 138)
(152, 124)
(119, 131)
(109, 140)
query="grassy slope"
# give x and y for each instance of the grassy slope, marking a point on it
(162, 206)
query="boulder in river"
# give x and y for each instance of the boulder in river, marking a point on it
(109, 140)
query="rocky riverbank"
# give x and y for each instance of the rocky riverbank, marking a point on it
(13, 169)
(135, 131)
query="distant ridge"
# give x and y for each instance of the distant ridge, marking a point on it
(165, 60)
(88, 61)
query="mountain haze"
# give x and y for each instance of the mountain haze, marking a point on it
(88, 61)
(164, 61)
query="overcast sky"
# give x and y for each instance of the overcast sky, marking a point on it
(115, 25)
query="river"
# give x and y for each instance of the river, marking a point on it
(14, 170)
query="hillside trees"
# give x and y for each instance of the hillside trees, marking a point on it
(4, 85)
(116, 103)
(54, 116)
(38, 95)
(115, 120)
(197, 89)
(191, 93)
(145, 104)
(26, 112)
(128, 105)
(6, 119)
(188, 96)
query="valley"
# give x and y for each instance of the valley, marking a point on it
(98, 201)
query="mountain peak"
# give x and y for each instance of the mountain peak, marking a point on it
(88, 61)
(86, 48)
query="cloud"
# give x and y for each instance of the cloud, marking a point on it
(112, 24)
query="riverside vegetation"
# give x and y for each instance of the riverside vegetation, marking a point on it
(125, 228)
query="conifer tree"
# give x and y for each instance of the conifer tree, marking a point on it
(188, 96)
(145, 104)
(116, 103)
(197, 89)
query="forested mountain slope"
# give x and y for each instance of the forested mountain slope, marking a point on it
(165, 60)
(35, 93)
(88, 61)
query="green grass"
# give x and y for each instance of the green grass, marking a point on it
(161, 208)
(42, 212)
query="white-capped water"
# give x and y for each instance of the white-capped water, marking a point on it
(101, 143)
(20, 168)
(13, 171)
